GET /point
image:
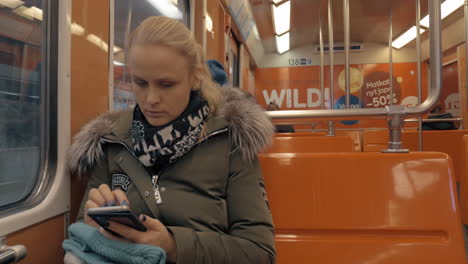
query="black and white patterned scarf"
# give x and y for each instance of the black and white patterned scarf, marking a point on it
(158, 146)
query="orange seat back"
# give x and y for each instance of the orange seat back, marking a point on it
(377, 140)
(356, 135)
(301, 134)
(446, 141)
(339, 208)
(304, 144)
(464, 181)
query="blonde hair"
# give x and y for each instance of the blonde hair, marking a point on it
(158, 30)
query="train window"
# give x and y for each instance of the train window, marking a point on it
(25, 102)
(127, 16)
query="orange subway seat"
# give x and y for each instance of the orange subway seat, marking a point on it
(356, 135)
(374, 140)
(446, 141)
(304, 144)
(301, 134)
(464, 181)
(364, 208)
(377, 140)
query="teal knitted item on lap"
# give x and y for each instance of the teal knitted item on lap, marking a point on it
(91, 247)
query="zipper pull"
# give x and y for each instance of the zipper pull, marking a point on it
(157, 194)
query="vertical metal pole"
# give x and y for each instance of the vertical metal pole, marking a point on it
(346, 33)
(390, 53)
(394, 127)
(435, 41)
(322, 70)
(331, 124)
(418, 60)
(128, 27)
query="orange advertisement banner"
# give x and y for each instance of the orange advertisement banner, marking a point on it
(298, 88)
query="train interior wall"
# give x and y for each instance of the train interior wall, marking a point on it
(266, 77)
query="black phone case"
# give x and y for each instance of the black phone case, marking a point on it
(123, 217)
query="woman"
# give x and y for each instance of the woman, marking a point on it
(184, 158)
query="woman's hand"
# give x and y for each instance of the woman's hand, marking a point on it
(103, 196)
(155, 235)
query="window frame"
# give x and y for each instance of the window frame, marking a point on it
(50, 195)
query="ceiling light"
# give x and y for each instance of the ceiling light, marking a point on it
(117, 49)
(34, 12)
(209, 23)
(446, 8)
(98, 42)
(277, 1)
(406, 37)
(118, 63)
(282, 43)
(282, 17)
(175, 2)
(21, 11)
(166, 8)
(11, 3)
(77, 29)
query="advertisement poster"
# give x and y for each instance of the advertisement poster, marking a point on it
(298, 88)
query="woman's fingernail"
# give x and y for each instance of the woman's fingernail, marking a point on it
(124, 203)
(143, 218)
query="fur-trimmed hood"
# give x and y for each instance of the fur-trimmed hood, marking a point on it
(250, 129)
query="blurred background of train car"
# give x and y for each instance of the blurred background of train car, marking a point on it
(62, 64)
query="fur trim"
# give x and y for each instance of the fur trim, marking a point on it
(250, 129)
(86, 149)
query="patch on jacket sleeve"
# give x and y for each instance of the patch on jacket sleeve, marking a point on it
(264, 194)
(121, 181)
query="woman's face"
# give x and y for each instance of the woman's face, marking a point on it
(161, 80)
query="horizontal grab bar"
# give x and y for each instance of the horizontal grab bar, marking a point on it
(455, 119)
(435, 35)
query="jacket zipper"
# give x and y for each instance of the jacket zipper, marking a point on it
(155, 178)
(214, 133)
(157, 194)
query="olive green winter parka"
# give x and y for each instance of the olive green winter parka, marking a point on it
(213, 200)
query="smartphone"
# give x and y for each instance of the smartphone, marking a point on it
(119, 214)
